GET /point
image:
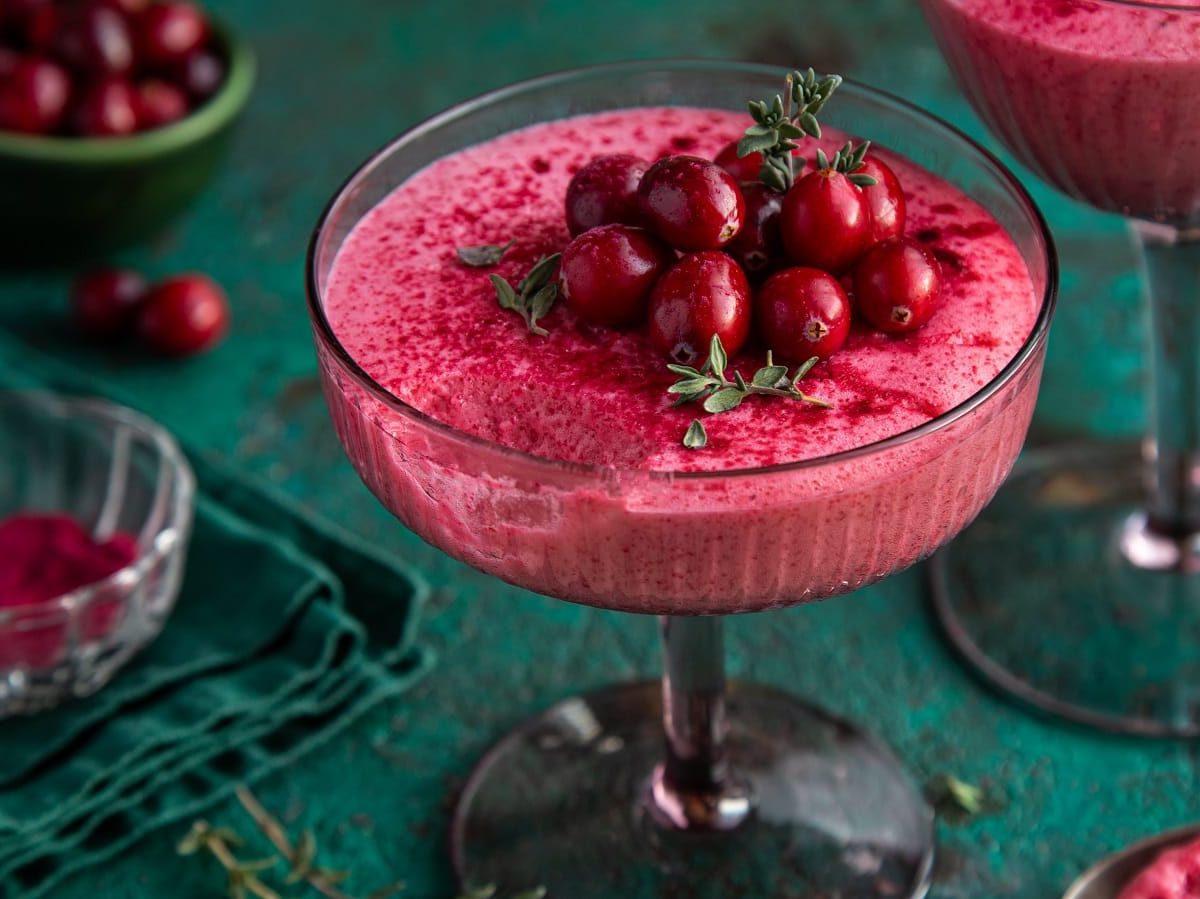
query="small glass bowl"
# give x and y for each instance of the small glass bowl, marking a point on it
(114, 471)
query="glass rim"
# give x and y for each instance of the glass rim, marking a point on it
(1015, 366)
(39, 613)
(1147, 5)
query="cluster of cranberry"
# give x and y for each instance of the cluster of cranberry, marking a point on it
(178, 316)
(677, 244)
(103, 68)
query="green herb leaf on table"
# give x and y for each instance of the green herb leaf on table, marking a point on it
(787, 118)
(957, 800)
(483, 256)
(534, 296)
(710, 386)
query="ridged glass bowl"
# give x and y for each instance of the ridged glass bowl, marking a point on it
(114, 471)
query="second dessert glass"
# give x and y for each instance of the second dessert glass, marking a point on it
(685, 787)
(1098, 620)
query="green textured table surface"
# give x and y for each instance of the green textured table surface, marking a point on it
(334, 86)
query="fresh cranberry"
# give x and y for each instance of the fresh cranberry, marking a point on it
(702, 294)
(604, 192)
(159, 103)
(34, 96)
(107, 108)
(8, 62)
(691, 203)
(131, 8)
(93, 38)
(200, 74)
(758, 246)
(183, 315)
(607, 273)
(168, 32)
(885, 201)
(26, 21)
(825, 221)
(896, 286)
(742, 168)
(801, 313)
(104, 303)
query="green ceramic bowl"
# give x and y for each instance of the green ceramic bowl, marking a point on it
(64, 199)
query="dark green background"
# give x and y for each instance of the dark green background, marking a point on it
(337, 80)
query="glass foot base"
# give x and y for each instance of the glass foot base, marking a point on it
(1040, 596)
(560, 803)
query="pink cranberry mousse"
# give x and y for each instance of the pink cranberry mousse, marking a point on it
(632, 528)
(1098, 96)
(1175, 874)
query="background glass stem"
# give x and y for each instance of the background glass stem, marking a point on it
(1171, 267)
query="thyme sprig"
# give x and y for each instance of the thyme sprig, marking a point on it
(244, 878)
(848, 160)
(788, 117)
(534, 297)
(710, 386)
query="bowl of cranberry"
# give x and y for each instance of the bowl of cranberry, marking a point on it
(113, 116)
(96, 510)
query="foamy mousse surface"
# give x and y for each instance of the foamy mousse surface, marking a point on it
(429, 330)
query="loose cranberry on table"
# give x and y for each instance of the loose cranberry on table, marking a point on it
(702, 294)
(691, 203)
(604, 192)
(168, 32)
(184, 315)
(106, 108)
(758, 247)
(825, 222)
(104, 303)
(896, 286)
(802, 312)
(606, 274)
(34, 96)
(885, 201)
(742, 168)
(93, 39)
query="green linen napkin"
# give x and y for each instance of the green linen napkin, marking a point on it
(285, 630)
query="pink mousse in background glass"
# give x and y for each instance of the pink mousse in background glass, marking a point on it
(1091, 94)
(1100, 98)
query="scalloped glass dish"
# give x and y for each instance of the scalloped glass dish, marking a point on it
(114, 471)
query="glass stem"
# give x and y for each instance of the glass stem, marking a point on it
(1164, 536)
(1172, 268)
(694, 788)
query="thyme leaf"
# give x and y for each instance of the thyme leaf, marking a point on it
(534, 296)
(483, 256)
(709, 386)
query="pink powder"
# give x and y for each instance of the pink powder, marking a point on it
(43, 557)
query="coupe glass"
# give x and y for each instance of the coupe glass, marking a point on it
(684, 787)
(1099, 620)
